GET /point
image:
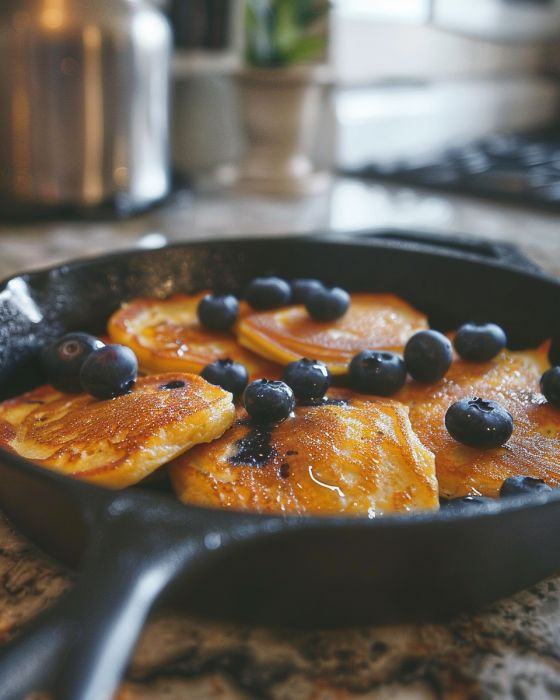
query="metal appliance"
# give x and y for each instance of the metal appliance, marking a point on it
(84, 105)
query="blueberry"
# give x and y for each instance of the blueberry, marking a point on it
(374, 372)
(479, 423)
(63, 360)
(301, 289)
(554, 351)
(516, 485)
(479, 342)
(268, 401)
(110, 371)
(218, 313)
(309, 379)
(231, 376)
(428, 356)
(327, 304)
(550, 386)
(268, 293)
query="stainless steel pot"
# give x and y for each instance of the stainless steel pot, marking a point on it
(84, 103)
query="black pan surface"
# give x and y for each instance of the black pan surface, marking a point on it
(139, 546)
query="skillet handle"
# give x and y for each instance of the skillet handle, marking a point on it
(85, 640)
(118, 587)
(27, 663)
(481, 248)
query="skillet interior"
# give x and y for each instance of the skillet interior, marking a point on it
(450, 287)
(329, 570)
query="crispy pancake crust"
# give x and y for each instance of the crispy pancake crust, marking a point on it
(118, 442)
(512, 379)
(357, 459)
(373, 321)
(166, 336)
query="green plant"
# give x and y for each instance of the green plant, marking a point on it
(284, 32)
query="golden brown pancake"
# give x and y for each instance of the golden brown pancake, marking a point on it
(356, 459)
(512, 379)
(373, 321)
(118, 442)
(166, 336)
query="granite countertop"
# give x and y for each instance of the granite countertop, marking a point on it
(509, 651)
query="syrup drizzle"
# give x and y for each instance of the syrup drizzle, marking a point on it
(318, 403)
(254, 449)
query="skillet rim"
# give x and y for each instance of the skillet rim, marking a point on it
(489, 509)
(361, 238)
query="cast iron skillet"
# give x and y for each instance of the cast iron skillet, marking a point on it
(136, 547)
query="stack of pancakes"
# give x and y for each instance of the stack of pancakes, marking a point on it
(351, 454)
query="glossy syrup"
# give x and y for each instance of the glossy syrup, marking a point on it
(318, 403)
(254, 449)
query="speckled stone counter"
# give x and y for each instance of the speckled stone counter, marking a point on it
(510, 651)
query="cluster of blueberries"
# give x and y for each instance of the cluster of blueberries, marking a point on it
(512, 486)
(427, 357)
(306, 380)
(219, 313)
(80, 362)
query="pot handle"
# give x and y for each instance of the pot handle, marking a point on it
(79, 649)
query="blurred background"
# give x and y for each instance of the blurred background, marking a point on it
(407, 78)
(284, 115)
